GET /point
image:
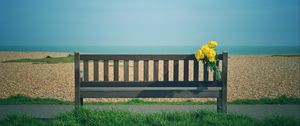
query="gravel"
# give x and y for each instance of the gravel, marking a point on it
(249, 76)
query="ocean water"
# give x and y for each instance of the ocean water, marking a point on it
(235, 50)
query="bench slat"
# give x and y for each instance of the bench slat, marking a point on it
(149, 88)
(152, 84)
(140, 57)
(166, 70)
(86, 70)
(116, 70)
(136, 70)
(155, 71)
(106, 70)
(175, 70)
(205, 72)
(150, 94)
(186, 70)
(146, 70)
(126, 70)
(96, 70)
(196, 70)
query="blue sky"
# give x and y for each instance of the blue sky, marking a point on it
(149, 22)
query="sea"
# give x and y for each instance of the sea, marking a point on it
(233, 50)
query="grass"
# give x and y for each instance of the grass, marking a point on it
(278, 100)
(114, 117)
(53, 60)
(22, 99)
(47, 59)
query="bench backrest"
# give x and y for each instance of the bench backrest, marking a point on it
(124, 59)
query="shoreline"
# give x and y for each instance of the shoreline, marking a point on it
(275, 54)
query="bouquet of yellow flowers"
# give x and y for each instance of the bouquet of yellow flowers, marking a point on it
(207, 53)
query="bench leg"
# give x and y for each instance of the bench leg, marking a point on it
(77, 100)
(219, 105)
(222, 104)
(81, 101)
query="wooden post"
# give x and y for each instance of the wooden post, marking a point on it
(186, 70)
(166, 70)
(219, 99)
(106, 67)
(86, 70)
(126, 70)
(77, 79)
(222, 102)
(155, 70)
(116, 70)
(175, 70)
(196, 70)
(205, 72)
(146, 64)
(136, 70)
(96, 70)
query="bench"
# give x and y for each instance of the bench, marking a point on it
(146, 88)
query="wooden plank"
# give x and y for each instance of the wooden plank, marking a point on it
(152, 84)
(166, 70)
(86, 70)
(136, 70)
(205, 72)
(150, 94)
(224, 84)
(77, 79)
(140, 57)
(126, 70)
(155, 71)
(176, 69)
(96, 70)
(219, 100)
(116, 70)
(186, 70)
(150, 88)
(146, 70)
(196, 70)
(105, 70)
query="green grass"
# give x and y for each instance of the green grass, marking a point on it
(114, 117)
(22, 99)
(53, 60)
(137, 101)
(278, 100)
(47, 59)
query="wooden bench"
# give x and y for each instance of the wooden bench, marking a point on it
(146, 88)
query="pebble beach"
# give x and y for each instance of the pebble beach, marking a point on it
(250, 76)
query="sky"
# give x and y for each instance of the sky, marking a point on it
(149, 22)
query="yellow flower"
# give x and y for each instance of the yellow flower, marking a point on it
(205, 49)
(199, 55)
(212, 44)
(212, 59)
(211, 53)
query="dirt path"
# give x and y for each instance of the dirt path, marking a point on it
(256, 111)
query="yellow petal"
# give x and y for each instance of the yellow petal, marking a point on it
(212, 44)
